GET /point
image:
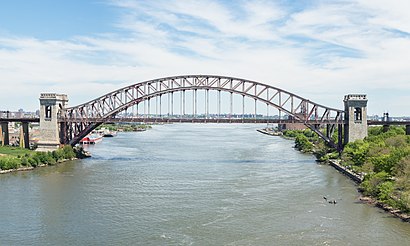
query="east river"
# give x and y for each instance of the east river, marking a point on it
(191, 184)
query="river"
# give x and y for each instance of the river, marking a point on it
(191, 184)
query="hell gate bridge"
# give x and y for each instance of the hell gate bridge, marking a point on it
(60, 124)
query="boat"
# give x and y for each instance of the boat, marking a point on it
(91, 139)
(270, 131)
(109, 134)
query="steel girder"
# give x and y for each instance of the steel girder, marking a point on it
(80, 120)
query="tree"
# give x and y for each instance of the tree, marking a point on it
(356, 152)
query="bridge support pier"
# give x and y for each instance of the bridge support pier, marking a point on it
(24, 136)
(5, 139)
(355, 117)
(340, 143)
(407, 129)
(50, 106)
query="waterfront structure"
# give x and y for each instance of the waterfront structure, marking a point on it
(80, 120)
(4, 133)
(355, 117)
(60, 124)
(51, 106)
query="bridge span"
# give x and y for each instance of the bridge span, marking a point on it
(172, 97)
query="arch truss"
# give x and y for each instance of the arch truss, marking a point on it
(76, 122)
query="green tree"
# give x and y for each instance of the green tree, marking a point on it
(302, 143)
(356, 152)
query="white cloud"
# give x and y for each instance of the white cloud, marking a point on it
(321, 52)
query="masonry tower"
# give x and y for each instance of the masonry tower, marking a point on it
(355, 117)
(50, 106)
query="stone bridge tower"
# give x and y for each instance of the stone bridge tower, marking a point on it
(355, 117)
(50, 106)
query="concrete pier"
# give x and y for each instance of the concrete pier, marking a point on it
(355, 117)
(51, 105)
(25, 138)
(5, 139)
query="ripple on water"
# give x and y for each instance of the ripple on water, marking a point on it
(191, 184)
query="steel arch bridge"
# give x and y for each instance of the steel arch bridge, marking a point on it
(78, 121)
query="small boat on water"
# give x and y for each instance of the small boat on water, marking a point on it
(91, 139)
(269, 131)
(109, 134)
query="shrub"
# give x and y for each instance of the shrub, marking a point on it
(7, 163)
(32, 162)
(24, 161)
(302, 143)
(68, 152)
(371, 183)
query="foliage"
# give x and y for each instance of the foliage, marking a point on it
(372, 182)
(17, 157)
(385, 156)
(303, 144)
(9, 163)
(355, 153)
(124, 127)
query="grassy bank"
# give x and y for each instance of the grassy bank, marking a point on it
(15, 158)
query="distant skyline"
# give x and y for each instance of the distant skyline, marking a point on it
(320, 50)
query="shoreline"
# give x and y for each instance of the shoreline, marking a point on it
(335, 163)
(346, 171)
(22, 169)
(395, 212)
(405, 217)
(53, 158)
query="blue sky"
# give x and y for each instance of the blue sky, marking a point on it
(320, 50)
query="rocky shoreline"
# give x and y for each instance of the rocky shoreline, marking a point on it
(358, 178)
(396, 212)
(366, 199)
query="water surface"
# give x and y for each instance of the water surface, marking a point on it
(191, 184)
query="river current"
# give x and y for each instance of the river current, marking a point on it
(191, 184)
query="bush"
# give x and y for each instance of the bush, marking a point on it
(32, 162)
(24, 162)
(371, 184)
(356, 153)
(49, 159)
(58, 154)
(7, 163)
(302, 143)
(68, 152)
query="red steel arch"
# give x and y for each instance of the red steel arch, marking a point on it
(77, 122)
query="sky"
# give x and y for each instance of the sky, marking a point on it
(317, 49)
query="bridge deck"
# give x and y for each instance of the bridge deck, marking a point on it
(201, 120)
(383, 123)
(19, 119)
(206, 120)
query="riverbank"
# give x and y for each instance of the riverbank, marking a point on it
(16, 159)
(358, 179)
(22, 169)
(396, 212)
(346, 171)
(377, 165)
(405, 217)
